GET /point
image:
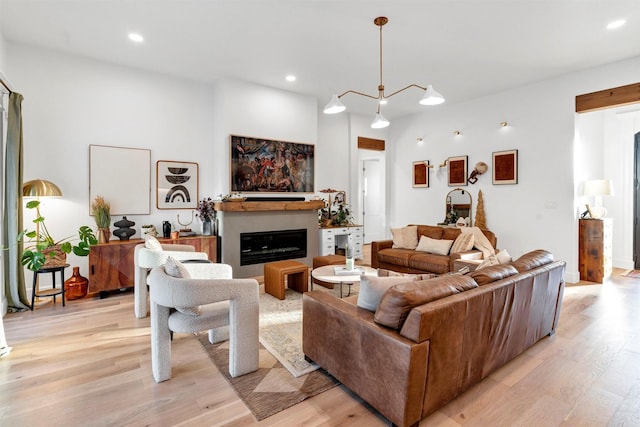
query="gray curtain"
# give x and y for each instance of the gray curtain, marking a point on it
(14, 287)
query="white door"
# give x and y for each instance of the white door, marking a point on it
(373, 196)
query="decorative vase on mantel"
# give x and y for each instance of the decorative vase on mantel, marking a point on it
(76, 286)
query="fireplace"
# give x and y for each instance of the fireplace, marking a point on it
(267, 246)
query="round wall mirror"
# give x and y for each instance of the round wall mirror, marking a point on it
(458, 205)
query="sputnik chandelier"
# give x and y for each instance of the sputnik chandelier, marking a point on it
(430, 97)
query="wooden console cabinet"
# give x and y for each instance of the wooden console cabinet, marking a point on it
(111, 265)
(595, 249)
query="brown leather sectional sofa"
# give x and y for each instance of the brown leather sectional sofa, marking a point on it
(458, 329)
(383, 255)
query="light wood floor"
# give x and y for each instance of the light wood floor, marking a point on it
(89, 364)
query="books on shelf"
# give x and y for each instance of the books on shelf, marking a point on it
(342, 271)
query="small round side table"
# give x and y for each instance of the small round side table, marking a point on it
(49, 292)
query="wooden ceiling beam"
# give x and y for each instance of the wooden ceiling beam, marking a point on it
(617, 96)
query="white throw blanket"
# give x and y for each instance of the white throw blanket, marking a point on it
(480, 241)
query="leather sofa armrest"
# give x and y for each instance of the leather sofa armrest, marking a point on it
(376, 247)
(385, 369)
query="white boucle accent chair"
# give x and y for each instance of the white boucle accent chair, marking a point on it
(223, 302)
(145, 259)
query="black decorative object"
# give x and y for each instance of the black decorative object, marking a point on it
(166, 229)
(124, 230)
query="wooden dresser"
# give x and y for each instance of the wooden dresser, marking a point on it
(595, 249)
(111, 265)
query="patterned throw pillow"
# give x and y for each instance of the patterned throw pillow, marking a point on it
(463, 243)
(406, 237)
(175, 268)
(152, 244)
(490, 260)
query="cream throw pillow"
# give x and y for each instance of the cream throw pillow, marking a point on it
(405, 237)
(175, 268)
(503, 256)
(152, 243)
(463, 243)
(434, 246)
(372, 288)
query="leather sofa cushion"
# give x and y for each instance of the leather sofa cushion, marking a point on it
(423, 261)
(532, 260)
(399, 300)
(430, 231)
(450, 233)
(492, 273)
(396, 256)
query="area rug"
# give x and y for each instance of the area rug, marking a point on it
(281, 328)
(271, 388)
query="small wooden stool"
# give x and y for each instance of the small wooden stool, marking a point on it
(295, 273)
(321, 261)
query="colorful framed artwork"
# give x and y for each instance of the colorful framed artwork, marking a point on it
(505, 167)
(176, 185)
(457, 171)
(265, 165)
(421, 173)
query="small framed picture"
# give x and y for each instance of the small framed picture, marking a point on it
(176, 185)
(505, 167)
(421, 173)
(457, 171)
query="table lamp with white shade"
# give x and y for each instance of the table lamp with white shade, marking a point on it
(598, 188)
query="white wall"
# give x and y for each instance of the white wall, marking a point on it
(72, 102)
(541, 210)
(78, 102)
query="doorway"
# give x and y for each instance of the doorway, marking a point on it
(636, 202)
(372, 186)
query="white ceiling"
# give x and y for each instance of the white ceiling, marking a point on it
(465, 48)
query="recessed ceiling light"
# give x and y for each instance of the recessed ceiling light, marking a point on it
(616, 24)
(135, 37)
(291, 78)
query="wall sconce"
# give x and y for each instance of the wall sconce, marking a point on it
(504, 124)
(441, 165)
(457, 133)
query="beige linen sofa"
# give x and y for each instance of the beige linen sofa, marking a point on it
(430, 340)
(387, 255)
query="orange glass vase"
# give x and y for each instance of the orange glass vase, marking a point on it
(76, 286)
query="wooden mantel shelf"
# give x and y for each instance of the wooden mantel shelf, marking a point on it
(268, 206)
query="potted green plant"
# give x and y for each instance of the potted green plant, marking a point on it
(40, 247)
(101, 210)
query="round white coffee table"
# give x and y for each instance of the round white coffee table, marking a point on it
(327, 273)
